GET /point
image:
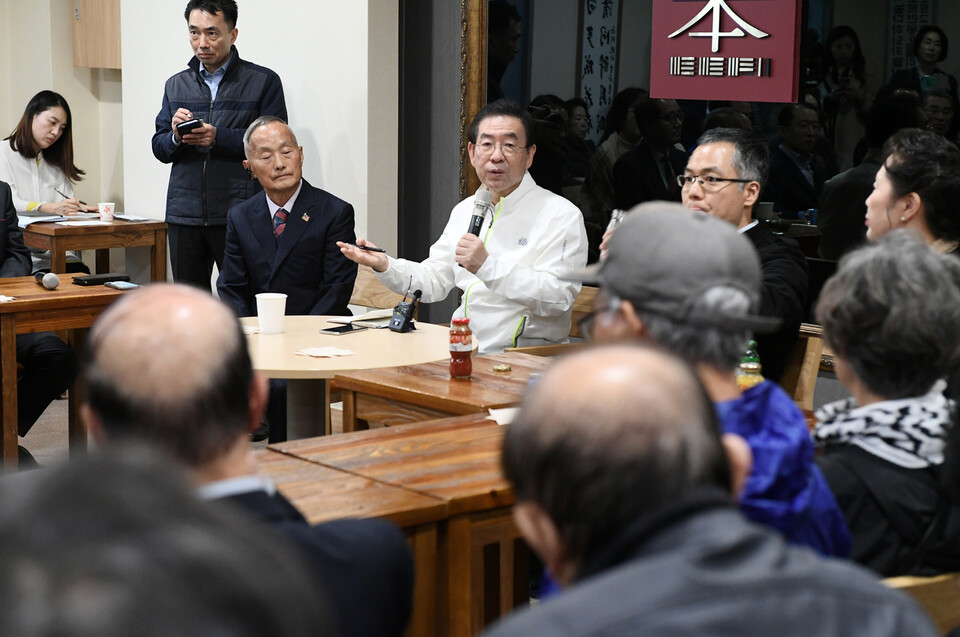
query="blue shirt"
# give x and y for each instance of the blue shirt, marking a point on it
(213, 79)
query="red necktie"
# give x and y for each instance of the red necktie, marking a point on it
(279, 222)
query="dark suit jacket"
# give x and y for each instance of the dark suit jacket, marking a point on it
(788, 189)
(305, 263)
(14, 255)
(364, 566)
(636, 177)
(783, 295)
(843, 207)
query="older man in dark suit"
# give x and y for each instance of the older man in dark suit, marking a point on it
(285, 240)
(168, 366)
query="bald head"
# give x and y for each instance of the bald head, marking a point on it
(170, 363)
(611, 434)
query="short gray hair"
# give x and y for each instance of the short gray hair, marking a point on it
(260, 122)
(892, 311)
(751, 159)
(709, 345)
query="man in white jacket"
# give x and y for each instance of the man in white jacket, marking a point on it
(511, 274)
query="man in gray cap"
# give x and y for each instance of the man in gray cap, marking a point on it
(691, 283)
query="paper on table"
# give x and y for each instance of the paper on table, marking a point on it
(4, 298)
(324, 352)
(23, 222)
(87, 222)
(130, 217)
(504, 416)
(250, 329)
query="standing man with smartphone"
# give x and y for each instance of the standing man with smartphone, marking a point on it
(225, 94)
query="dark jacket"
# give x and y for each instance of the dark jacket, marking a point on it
(636, 177)
(788, 189)
(304, 263)
(364, 566)
(783, 295)
(14, 255)
(901, 520)
(843, 207)
(699, 568)
(206, 182)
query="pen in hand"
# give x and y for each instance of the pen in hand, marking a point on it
(367, 248)
(80, 201)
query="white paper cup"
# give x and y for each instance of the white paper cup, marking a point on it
(270, 309)
(106, 211)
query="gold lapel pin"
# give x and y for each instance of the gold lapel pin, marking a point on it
(305, 217)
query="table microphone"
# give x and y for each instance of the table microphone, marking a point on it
(482, 203)
(48, 280)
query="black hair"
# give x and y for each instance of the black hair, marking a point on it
(213, 7)
(60, 152)
(502, 107)
(925, 163)
(931, 28)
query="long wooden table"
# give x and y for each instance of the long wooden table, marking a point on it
(59, 239)
(36, 309)
(413, 393)
(482, 563)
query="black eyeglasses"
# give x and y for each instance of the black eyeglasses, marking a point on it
(708, 183)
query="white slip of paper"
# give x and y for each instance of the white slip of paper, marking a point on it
(505, 415)
(4, 298)
(324, 352)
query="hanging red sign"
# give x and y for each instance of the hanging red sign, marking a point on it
(725, 50)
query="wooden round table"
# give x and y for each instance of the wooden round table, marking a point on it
(308, 392)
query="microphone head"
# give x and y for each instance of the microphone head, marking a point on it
(50, 281)
(417, 294)
(484, 197)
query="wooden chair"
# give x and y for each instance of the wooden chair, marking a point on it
(939, 595)
(582, 306)
(800, 376)
(369, 292)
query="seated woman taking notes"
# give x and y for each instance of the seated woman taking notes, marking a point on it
(37, 160)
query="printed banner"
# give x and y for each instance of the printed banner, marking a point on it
(725, 50)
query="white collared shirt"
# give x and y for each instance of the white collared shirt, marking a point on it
(288, 206)
(236, 486)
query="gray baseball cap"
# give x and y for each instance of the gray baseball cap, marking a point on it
(663, 257)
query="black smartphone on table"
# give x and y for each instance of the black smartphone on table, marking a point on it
(336, 330)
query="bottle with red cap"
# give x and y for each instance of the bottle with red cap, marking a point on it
(461, 346)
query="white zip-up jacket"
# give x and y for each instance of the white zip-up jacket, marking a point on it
(516, 298)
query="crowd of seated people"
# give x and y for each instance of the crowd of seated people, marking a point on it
(661, 495)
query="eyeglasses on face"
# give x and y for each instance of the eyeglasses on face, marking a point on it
(609, 304)
(509, 149)
(708, 183)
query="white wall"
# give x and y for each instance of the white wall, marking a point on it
(338, 64)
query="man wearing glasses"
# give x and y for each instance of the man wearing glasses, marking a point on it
(648, 172)
(510, 272)
(723, 178)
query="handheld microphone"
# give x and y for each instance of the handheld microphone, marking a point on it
(48, 280)
(402, 319)
(482, 204)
